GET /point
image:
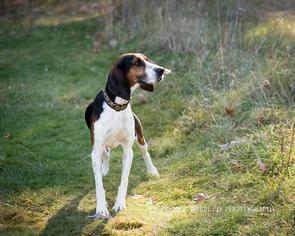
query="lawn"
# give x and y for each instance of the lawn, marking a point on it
(48, 75)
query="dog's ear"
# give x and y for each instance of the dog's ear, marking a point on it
(117, 82)
(147, 87)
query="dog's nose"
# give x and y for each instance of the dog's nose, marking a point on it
(159, 71)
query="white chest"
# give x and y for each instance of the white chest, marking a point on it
(114, 128)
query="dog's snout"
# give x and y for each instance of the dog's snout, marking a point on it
(159, 71)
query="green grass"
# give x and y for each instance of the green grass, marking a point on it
(48, 75)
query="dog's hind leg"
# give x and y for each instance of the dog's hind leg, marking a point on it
(144, 148)
(105, 161)
(151, 169)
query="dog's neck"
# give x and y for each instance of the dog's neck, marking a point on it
(118, 93)
(120, 100)
(116, 98)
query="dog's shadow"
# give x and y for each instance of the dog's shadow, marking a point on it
(69, 220)
(73, 218)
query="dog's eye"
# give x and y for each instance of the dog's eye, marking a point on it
(138, 62)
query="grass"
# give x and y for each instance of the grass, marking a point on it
(48, 76)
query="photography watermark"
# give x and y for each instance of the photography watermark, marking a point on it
(216, 209)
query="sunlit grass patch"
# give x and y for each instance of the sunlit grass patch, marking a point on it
(277, 28)
(59, 19)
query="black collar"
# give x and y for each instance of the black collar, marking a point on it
(117, 107)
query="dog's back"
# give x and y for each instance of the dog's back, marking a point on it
(88, 114)
(94, 110)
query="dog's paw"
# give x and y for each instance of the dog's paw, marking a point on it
(101, 215)
(153, 171)
(119, 206)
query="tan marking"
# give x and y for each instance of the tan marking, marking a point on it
(135, 71)
(144, 57)
(138, 130)
(93, 119)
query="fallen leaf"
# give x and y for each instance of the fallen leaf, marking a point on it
(229, 111)
(261, 165)
(215, 195)
(200, 197)
(136, 196)
(235, 165)
(266, 84)
(154, 198)
(261, 120)
(227, 146)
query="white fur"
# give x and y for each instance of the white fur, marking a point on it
(110, 130)
(148, 161)
(150, 72)
(120, 100)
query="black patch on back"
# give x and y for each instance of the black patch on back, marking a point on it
(88, 113)
(94, 110)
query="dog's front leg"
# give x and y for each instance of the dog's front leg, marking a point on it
(101, 204)
(122, 190)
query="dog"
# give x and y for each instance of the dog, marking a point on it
(112, 123)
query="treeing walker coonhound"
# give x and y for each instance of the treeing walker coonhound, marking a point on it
(112, 122)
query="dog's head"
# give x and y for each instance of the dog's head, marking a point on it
(136, 68)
